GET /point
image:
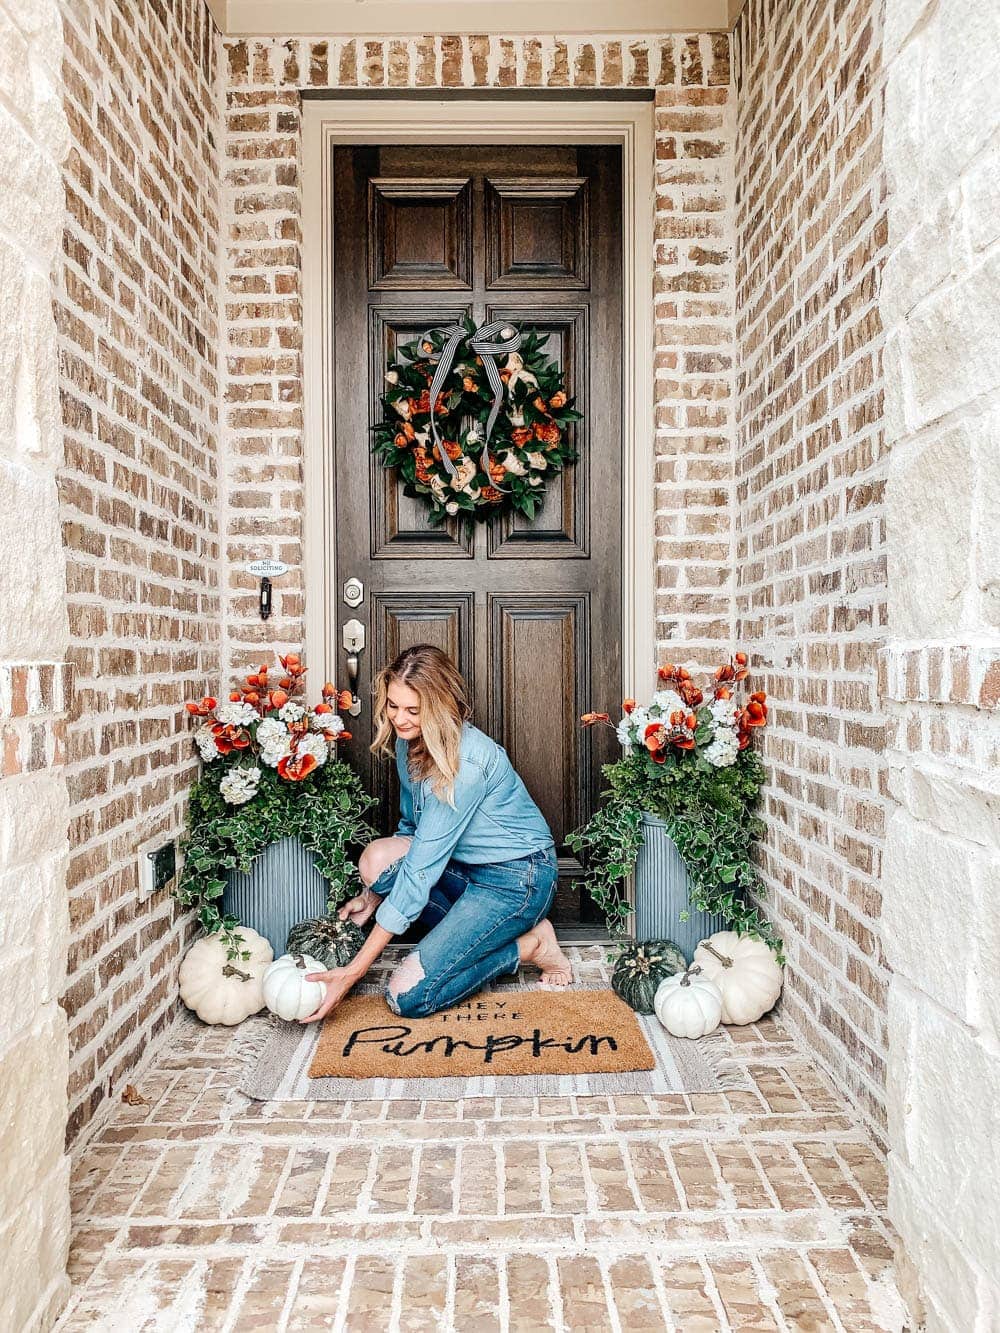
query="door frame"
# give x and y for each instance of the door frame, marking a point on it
(400, 120)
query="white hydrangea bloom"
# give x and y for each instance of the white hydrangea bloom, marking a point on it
(274, 741)
(205, 742)
(315, 745)
(724, 749)
(291, 712)
(236, 714)
(271, 733)
(326, 722)
(240, 785)
(667, 701)
(626, 732)
(724, 712)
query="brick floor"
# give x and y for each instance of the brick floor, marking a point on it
(754, 1210)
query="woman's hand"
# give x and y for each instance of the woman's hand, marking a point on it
(339, 981)
(359, 909)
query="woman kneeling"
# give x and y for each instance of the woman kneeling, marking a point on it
(472, 859)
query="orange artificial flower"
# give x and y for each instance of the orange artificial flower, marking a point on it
(204, 708)
(548, 432)
(468, 384)
(278, 698)
(521, 435)
(557, 400)
(497, 471)
(295, 767)
(589, 719)
(491, 495)
(628, 706)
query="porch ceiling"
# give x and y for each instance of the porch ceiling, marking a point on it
(254, 18)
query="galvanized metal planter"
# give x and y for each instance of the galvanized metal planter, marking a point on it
(282, 888)
(662, 888)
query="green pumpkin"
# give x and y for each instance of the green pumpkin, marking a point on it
(640, 968)
(329, 940)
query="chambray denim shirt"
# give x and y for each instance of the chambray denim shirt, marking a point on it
(494, 819)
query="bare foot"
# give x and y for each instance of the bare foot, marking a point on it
(541, 948)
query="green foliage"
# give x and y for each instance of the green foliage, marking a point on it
(709, 815)
(325, 812)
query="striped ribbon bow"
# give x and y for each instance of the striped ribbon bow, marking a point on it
(487, 342)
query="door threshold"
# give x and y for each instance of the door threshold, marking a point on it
(580, 935)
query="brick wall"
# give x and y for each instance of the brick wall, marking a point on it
(35, 680)
(810, 468)
(262, 424)
(138, 322)
(941, 677)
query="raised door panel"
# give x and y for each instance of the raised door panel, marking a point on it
(420, 233)
(537, 232)
(400, 525)
(561, 527)
(539, 654)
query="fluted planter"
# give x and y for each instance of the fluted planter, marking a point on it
(282, 888)
(662, 889)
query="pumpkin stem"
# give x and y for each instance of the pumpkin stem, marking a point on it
(691, 972)
(230, 971)
(299, 961)
(723, 958)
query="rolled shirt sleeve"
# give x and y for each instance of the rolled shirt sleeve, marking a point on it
(434, 840)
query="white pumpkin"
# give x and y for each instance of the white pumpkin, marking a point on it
(286, 991)
(688, 1004)
(745, 971)
(220, 990)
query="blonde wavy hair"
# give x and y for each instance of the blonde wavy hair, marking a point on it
(444, 706)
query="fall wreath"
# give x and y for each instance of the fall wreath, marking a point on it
(499, 426)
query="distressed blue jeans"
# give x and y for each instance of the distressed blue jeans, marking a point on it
(476, 914)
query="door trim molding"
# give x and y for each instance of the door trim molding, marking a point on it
(630, 124)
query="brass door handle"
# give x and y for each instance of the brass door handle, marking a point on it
(354, 644)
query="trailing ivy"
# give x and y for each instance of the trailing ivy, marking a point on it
(709, 816)
(326, 812)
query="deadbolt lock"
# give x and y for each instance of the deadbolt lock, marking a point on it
(354, 592)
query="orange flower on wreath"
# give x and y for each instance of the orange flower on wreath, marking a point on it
(557, 400)
(547, 432)
(491, 495)
(522, 435)
(497, 470)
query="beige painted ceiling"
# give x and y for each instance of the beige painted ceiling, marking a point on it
(351, 18)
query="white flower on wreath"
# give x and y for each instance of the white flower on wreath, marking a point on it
(465, 470)
(402, 408)
(535, 481)
(515, 364)
(472, 438)
(291, 712)
(451, 507)
(538, 460)
(516, 418)
(314, 745)
(205, 742)
(240, 785)
(724, 748)
(392, 377)
(236, 714)
(511, 463)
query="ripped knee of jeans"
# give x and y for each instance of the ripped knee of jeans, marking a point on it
(407, 975)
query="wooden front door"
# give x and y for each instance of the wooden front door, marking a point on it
(529, 612)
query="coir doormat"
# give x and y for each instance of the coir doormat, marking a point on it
(501, 1033)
